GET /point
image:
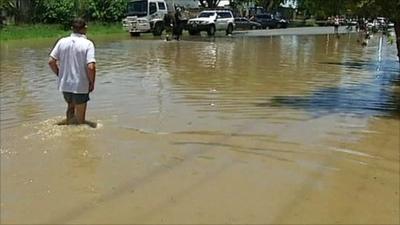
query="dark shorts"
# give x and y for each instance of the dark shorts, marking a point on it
(76, 98)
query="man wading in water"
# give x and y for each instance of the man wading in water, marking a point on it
(73, 61)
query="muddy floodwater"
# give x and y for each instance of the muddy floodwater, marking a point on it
(263, 130)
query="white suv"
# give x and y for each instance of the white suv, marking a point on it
(211, 21)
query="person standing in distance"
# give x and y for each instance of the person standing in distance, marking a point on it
(73, 61)
(336, 24)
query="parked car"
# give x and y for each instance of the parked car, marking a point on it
(372, 23)
(245, 24)
(379, 24)
(212, 21)
(268, 20)
(351, 22)
(331, 21)
(384, 23)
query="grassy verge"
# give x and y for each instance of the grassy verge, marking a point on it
(32, 31)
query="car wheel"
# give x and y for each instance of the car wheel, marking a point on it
(211, 30)
(158, 29)
(278, 25)
(253, 27)
(135, 34)
(193, 32)
(229, 30)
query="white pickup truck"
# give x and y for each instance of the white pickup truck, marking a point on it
(144, 16)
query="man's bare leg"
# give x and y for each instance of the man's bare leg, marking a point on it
(80, 113)
(70, 114)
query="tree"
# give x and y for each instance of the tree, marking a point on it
(20, 10)
(8, 6)
(270, 4)
(323, 8)
(49, 11)
(106, 10)
(63, 11)
(209, 3)
(386, 8)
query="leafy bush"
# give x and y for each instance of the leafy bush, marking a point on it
(63, 11)
(107, 11)
(50, 11)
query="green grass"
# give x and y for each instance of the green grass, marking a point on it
(34, 31)
(101, 29)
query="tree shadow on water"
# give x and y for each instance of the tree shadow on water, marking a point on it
(380, 96)
(361, 64)
(353, 64)
(360, 100)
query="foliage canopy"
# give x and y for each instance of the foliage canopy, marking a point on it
(364, 8)
(62, 11)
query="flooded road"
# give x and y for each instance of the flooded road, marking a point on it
(264, 130)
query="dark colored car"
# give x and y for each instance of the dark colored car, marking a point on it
(268, 20)
(245, 24)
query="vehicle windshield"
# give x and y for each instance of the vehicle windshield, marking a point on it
(137, 8)
(206, 14)
(241, 19)
(264, 16)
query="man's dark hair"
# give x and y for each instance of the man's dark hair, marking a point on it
(78, 24)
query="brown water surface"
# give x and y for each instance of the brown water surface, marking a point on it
(265, 130)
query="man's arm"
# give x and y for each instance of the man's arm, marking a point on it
(91, 73)
(53, 65)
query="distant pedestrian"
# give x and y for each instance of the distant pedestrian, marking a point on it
(178, 26)
(169, 26)
(336, 24)
(360, 24)
(362, 29)
(73, 61)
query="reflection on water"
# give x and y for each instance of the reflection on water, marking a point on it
(224, 75)
(182, 124)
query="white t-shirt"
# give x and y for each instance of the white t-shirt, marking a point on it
(336, 21)
(73, 53)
